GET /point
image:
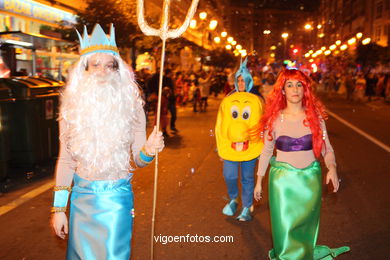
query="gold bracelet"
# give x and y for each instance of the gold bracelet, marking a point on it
(58, 209)
(146, 153)
(58, 188)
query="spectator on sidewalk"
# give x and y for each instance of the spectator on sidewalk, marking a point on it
(360, 87)
(268, 84)
(204, 86)
(179, 87)
(168, 82)
(371, 81)
(380, 86)
(349, 85)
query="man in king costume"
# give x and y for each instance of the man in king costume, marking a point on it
(103, 138)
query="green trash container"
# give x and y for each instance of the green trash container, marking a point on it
(5, 100)
(34, 128)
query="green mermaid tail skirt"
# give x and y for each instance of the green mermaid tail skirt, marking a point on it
(295, 202)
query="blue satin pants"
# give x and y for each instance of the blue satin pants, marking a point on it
(101, 220)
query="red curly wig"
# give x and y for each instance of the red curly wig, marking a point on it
(276, 102)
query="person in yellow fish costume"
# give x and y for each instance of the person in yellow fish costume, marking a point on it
(238, 113)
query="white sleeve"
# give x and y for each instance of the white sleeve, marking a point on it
(66, 166)
(139, 138)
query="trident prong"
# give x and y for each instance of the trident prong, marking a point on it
(164, 33)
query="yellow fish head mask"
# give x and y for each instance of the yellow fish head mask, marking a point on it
(237, 114)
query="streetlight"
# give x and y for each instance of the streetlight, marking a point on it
(238, 47)
(203, 15)
(351, 41)
(359, 35)
(266, 31)
(327, 52)
(308, 26)
(228, 47)
(217, 39)
(224, 34)
(332, 47)
(319, 26)
(343, 47)
(284, 36)
(338, 42)
(213, 24)
(233, 43)
(366, 41)
(193, 24)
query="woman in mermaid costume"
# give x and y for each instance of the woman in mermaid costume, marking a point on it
(294, 123)
(102, 126)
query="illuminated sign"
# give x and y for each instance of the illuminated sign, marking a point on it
(37, 10)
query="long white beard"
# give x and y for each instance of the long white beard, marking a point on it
(100, 117)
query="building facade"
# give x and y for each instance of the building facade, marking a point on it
(343, 19)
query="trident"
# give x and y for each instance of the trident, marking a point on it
(164, 33)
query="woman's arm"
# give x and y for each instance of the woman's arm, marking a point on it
(267, 152)
(330, 159)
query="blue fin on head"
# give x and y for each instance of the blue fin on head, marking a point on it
(243, 64)
(244, 72)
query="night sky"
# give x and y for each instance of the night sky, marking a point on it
(306, 5)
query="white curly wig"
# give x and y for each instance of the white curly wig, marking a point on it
(99, 120)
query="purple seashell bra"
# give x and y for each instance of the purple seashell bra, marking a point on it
(289, 144)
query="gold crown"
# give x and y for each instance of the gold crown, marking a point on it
(99, 47)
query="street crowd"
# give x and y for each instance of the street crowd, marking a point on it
(182, 89)
(355, 86)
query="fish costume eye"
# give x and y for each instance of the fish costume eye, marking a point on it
(246, 113)
(234, 111)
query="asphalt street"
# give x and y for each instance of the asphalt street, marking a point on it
(192, 193)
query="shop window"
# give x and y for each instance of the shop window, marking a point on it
(34, 27)
(378, 32)
(2, 23)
